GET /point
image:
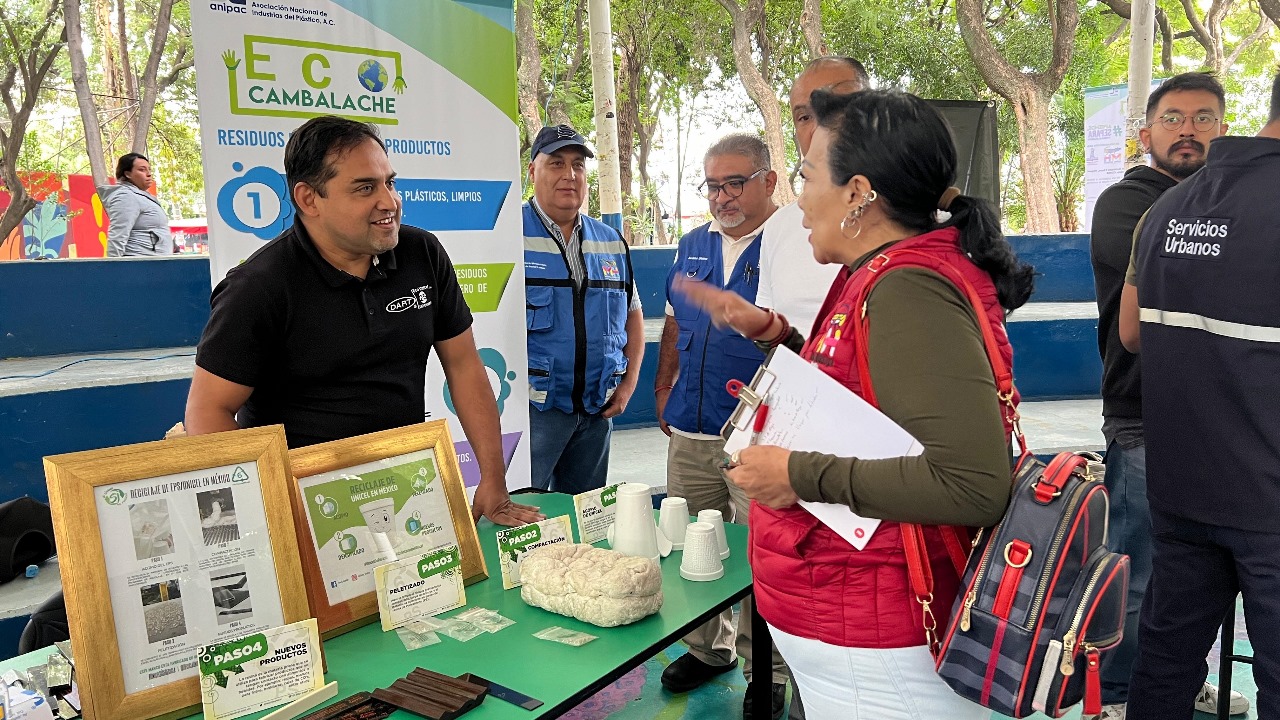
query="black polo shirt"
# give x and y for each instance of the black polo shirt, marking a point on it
(327, 354)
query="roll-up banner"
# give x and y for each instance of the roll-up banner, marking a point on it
(438, 79)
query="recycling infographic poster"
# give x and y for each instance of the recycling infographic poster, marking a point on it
(363, 516)
(188, 564)
(438, 80)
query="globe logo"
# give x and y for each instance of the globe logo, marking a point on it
(372, 75)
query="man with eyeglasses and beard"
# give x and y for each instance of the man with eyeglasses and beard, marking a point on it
(1183, 115)
(695, 361)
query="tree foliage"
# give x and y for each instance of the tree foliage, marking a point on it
(31, 38)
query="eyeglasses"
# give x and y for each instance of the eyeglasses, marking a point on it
(1203, 122)
(732, 187)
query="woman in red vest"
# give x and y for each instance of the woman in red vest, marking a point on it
(855, 630)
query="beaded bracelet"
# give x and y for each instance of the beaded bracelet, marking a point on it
(783, 333)
(768, 323)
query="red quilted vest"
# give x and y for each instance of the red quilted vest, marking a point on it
(809, 581)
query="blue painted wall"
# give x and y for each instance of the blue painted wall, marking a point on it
(33, 426)
(61, 307)
(1061, 262)
(1056, 359)
(652, 265)
(1062, 266)
(137, 304)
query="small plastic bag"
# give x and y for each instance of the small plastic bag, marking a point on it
(485, 619)
(413, 639)
(460, 630)
(426, 624)
(555, 633)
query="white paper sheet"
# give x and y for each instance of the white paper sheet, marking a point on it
(810, 411)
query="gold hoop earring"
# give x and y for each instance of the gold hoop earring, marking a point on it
(856, 217)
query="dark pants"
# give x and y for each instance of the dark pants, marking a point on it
(569, 452)
(1197, 571)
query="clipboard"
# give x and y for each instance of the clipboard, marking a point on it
(810, 410)
(750, 398)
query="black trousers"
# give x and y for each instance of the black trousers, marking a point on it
(1196, 573)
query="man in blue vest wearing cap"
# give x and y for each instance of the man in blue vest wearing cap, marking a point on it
(1202, 303)
(583, 316)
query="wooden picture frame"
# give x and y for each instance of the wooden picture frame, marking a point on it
(339, 610)
(190, 508)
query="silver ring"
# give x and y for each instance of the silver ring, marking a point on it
(736, 457)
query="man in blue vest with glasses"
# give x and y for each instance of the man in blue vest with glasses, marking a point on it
(583, 316)
(695, 361)
(1202, 303)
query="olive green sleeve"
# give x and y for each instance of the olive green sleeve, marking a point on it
(931, 375)
(1131, 275)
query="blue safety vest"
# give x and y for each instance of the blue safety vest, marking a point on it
(576, 337)
(709, 356)
(1208, 258)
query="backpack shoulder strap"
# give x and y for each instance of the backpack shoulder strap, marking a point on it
(919, 568)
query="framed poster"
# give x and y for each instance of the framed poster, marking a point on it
(167, 546)
(372, 499)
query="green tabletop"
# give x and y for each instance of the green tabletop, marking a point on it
(559, 675)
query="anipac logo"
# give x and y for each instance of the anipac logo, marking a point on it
(231, 7)
(293, 78)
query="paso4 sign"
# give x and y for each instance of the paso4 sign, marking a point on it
(291, 78)
(230, 656)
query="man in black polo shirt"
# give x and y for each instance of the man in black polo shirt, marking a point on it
(328, 327)
(1201, 299)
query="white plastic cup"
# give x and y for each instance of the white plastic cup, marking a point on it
(673, 518)
(701, 559)
(716, 519)
(380, 520)
(379, 515)
(634, 532)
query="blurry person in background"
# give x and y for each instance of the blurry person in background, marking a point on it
(139, 226)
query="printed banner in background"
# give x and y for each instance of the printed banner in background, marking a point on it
(1105, 111)
(439, 81)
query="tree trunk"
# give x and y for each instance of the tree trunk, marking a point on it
(745, 20)
(628, 91)
(110, 65)
(33, 63)
(122, 35)
(1208, 35)
(529, 70)
(84, 94)
(1029, 93)
(150, 87)
(1271, 8)
(1031, 108)
(811, 24)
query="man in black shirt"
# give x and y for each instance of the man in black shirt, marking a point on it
(1202, 303)
(1182, 115)
(328, 327)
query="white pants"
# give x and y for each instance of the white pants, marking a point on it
(841, 683)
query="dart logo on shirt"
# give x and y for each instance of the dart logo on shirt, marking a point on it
(418, 299)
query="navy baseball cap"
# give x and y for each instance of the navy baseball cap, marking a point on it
(553, 137)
